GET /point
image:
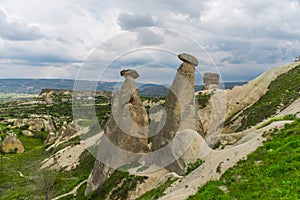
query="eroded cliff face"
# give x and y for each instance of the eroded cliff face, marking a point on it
(125, 131)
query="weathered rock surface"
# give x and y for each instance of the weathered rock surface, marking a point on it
(27, 133)
(213, 115)
(211, 78)
(188, 58)
(211, 81)
(65, 159)
(127, 127)
(126, 130)
(11, 144)
(129, 73)
(180, 111)
(67, 131)
(195, 144)
(36, 123)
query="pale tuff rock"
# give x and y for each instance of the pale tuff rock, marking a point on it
(65, 133)
(180, 110)
(36, 123)
(128, 125)
(213, 115)
(125, 130)
(195, 146)
(66, 159)
(27, 133)
(11, 144)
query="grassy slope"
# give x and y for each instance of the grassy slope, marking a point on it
(271, 172)
(282, 92)
(156, 192)
(12, 186)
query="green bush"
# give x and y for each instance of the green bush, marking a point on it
(192, 166)
(202, 100)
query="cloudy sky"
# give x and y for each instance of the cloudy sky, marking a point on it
(93, 38)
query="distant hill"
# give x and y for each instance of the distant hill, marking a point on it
(34, 86)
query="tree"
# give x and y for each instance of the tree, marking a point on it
(46, 180)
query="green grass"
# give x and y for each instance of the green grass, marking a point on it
(74, 141)
(12, 186)
(192, 166)
(282, 92)
(271, 172)
(68, 180)
(276, 119)
(14, 97)
(202, 100)
(118, 184)
(157, 192)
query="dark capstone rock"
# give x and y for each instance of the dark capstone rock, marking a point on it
(211, 78)
(188, 58)
(130, 73)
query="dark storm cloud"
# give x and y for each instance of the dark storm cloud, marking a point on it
(148, 37)
(131, 21)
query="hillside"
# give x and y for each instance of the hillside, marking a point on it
(275, 93)
(257, 158)
(271, 172)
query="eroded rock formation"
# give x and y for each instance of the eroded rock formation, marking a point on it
(66, 131)
(180, 110)
(126, 130)
(11, 144)
(36, 123)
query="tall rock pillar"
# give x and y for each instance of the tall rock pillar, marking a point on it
(180, 109)
(125, 131)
